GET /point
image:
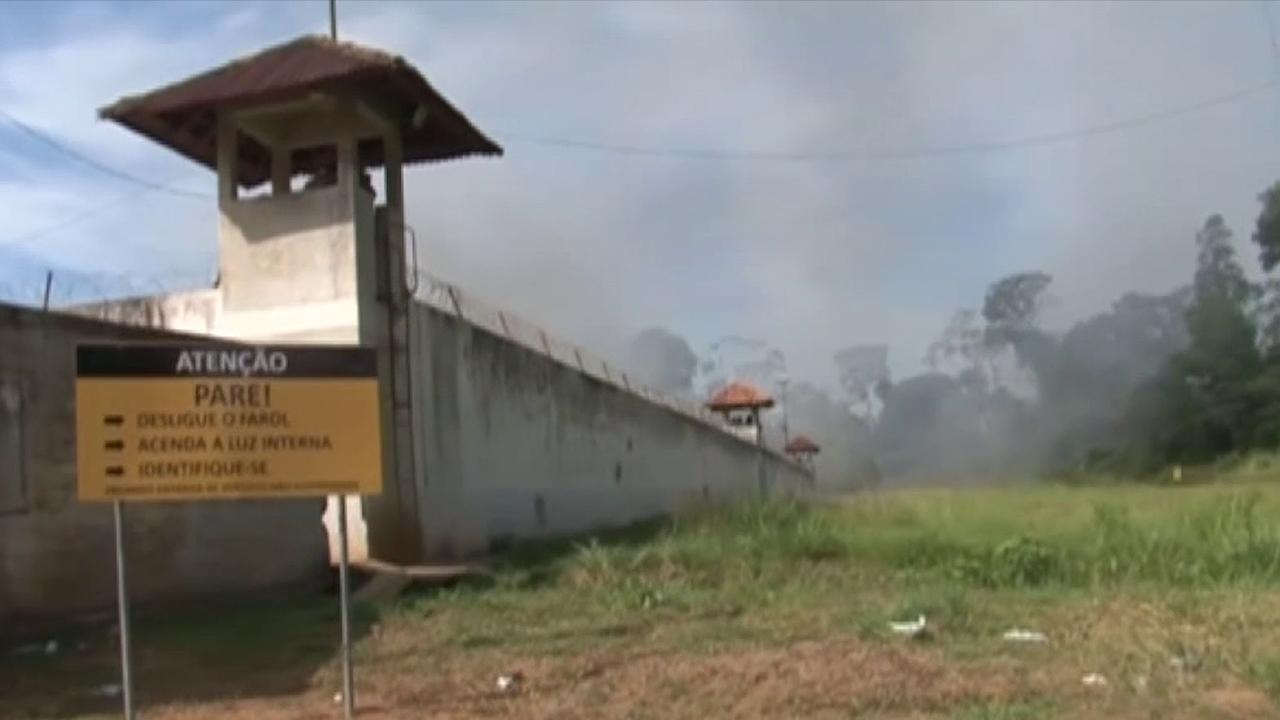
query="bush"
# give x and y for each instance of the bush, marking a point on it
(1018, 562)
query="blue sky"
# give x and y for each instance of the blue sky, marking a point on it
(810, 255)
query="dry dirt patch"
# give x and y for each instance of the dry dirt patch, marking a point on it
(808, 679)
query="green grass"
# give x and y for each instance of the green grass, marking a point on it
(934, 552)
(1123, 579)
(1170, 592)
(1210, 536)
(1025, 537)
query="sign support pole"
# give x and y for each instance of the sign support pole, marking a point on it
(122, 599)
(344, 591)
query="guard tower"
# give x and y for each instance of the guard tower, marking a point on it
(307, 253)
(740, 403)
(803, 450)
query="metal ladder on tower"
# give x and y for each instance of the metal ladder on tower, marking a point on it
(400, 283)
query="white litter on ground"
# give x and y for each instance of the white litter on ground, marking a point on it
(910, 628)
(1020, 635)
(509, 683)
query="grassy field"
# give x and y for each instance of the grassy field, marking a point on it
(1170, 595)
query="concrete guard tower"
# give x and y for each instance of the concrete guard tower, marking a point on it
(305, 255)
(740, 403)
(803, 450)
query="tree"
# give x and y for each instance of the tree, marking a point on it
(1012, 309)
(965, 349)
(1218, 272)
(1267, 315)
(861, 370)
(960, 342)
(1106, 356)
(1099, 360)
(767, 371)
(914, 436)
(663, 360)
(845, 460)
(752, 360)
(1266, 234)
(1223, 348)
(1013, 303)
(1206, 401)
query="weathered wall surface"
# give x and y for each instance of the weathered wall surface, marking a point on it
(56, 554)
(516, 443)
(192, 312)
(296, 248)
(201, 313)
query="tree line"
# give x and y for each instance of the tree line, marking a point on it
(1184, 377)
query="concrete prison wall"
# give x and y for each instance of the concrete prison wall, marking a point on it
(514, 441)
(56, 555)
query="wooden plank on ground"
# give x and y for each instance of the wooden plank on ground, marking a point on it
(389, 579)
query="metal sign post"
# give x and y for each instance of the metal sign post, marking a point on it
(122, 599)
(344, 592)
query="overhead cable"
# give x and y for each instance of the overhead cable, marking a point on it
(49, 141)
(900, 153)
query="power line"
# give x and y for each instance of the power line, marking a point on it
(49, 141)
(116, 204)
(903, 153)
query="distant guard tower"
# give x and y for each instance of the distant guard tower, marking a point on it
(740, 404)
(803, 450)
(304, 253)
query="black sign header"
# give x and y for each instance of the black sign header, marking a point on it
(197, 360)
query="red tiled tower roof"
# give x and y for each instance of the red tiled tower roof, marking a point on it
(183, 115)
(739, 395)
(801, 444)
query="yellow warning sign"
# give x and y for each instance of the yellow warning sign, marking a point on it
(169, 422)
